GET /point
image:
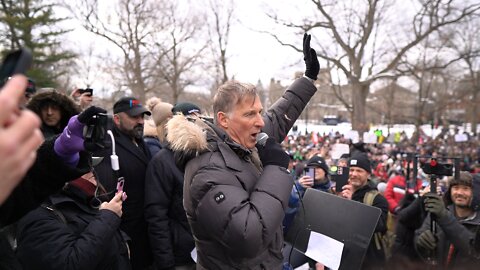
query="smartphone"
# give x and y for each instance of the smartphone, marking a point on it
(89, 91)
(120, 184)
(310, 171)
(16, 62)
(339, 176)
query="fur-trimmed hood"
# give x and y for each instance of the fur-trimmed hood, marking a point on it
(190, 136)
(149, 129)
(67, 106)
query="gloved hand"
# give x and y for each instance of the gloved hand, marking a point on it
(435, 205)
(427, 241)
(310, 57)
(87, 114)
(272, 153)
(70, 142)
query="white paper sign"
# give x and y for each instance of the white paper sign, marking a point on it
(193, 253)
(352, 135)
(325, 250)
(369, 137)
(461, 137)
(339, 149)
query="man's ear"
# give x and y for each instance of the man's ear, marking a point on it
(222, 120)
(116, 120)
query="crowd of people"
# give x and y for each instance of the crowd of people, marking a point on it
(163, 186)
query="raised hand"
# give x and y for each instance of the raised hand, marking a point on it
(312, 67)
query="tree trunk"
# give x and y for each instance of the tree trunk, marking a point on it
(474, 111)
(359, 100)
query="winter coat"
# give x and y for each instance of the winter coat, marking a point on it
(150, 137)
(409, 218)
(88, 238)
(47, 176)
(68, 108)
(395, 191)
(374, 258)
(460, 233)
(133, 161)
(168, 229)
(234, 206)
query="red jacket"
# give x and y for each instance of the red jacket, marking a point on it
(396, 190)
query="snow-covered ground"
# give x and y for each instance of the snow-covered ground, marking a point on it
(345, 128)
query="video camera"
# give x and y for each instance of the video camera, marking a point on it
(95, 132)
(437, 168)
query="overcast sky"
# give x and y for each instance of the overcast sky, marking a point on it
(252, 55)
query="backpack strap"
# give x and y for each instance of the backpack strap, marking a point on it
(370, 196)
(368, 200)
(55, 211)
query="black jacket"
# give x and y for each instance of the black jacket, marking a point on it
(409, 219)
(168, 229)
(86, 239)
(133, 162)
(374, 258)
(46, 176)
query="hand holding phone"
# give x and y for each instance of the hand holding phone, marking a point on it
(120, 184)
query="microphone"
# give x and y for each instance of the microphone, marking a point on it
(262, 138)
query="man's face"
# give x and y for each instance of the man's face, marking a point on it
(130, 125)
(51, 115)
(461, 195)
(244, 122)
(357, 177)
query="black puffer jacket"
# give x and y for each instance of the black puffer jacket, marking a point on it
(168, 229)
(68, 108)
(90, 239)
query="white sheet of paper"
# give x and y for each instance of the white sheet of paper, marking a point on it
(325, 250)
(193, 253)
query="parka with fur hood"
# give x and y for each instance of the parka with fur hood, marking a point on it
(68, 108)
(234, 206)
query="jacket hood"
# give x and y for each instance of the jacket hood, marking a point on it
(187, 138)
(191, 136)
(149, 129)
(67, 106)
(475, 185)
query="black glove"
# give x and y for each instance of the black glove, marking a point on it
(434, 204)
(272, 153)
(87, 114)
(426, 240)
(310, 57)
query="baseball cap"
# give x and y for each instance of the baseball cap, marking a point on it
(130, 106)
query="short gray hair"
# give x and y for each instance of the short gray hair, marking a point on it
(230, 94)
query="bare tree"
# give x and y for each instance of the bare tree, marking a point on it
(127, 25)
(465, 45)
(181, 47)
(222, 14)
(362, 41)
